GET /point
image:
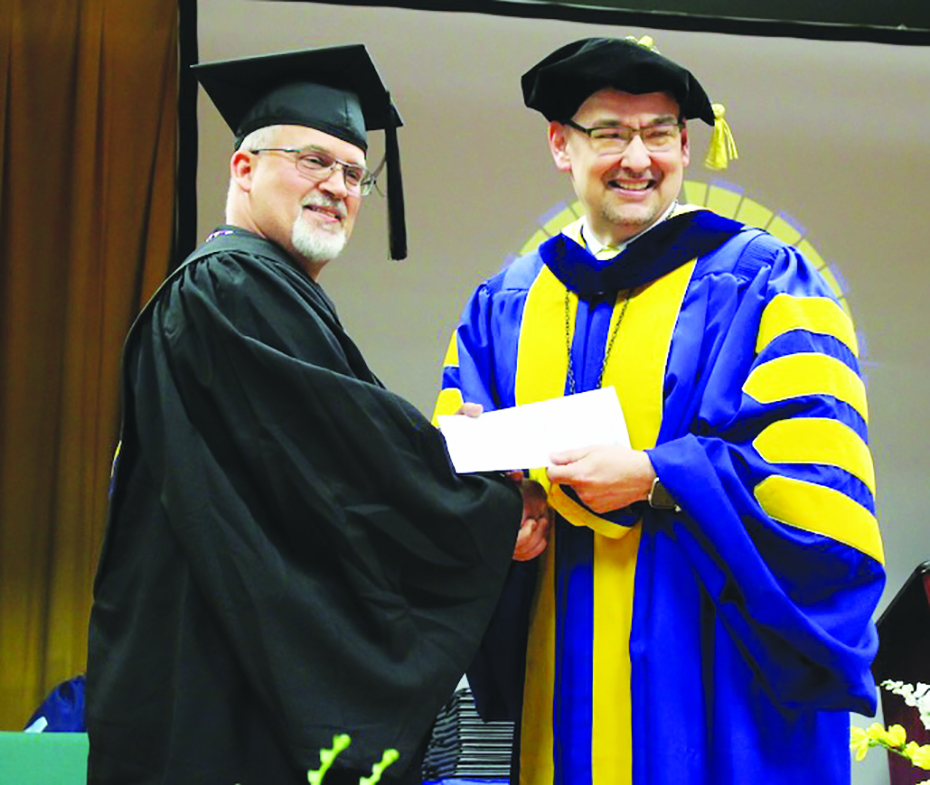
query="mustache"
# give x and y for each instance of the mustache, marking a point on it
(322, 200)
(619, 172)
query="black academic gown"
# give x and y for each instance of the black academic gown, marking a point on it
(289, 553)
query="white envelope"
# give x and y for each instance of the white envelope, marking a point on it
(524, 437)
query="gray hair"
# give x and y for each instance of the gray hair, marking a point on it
(260, 137)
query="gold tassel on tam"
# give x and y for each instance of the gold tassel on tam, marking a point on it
(722, 146)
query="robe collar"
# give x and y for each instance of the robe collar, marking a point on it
(654, 253)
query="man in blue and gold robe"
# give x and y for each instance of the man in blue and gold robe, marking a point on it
(702, 612)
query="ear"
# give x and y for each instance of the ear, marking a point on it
(241, 168)
(685, 147)
(558, 146)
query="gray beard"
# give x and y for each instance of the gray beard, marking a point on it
(317, 245)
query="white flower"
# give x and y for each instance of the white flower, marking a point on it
(917, 696)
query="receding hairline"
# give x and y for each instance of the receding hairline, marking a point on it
(260, 137)
(269, 135)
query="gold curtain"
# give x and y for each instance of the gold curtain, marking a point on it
(88, 93)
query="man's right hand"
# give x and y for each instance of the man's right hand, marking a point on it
(537, 519)
(534, 528)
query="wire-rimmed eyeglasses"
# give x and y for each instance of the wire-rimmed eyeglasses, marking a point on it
(319, 165)
(611, 139)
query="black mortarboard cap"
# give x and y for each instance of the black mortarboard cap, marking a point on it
(336, 90)
(558, 85)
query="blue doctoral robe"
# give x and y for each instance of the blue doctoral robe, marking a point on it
(725, 642)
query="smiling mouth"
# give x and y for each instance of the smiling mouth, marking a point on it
(631, 186)
(326, 212)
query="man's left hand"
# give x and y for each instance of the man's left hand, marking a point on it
(605, 477)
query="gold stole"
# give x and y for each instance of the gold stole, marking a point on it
(636, 369)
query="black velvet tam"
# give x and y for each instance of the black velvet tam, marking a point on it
(559, 84)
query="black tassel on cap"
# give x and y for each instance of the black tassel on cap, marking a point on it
(397, 226)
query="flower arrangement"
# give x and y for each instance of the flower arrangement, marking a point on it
(894, 738)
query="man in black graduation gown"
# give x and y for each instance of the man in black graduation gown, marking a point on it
(289, 554)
